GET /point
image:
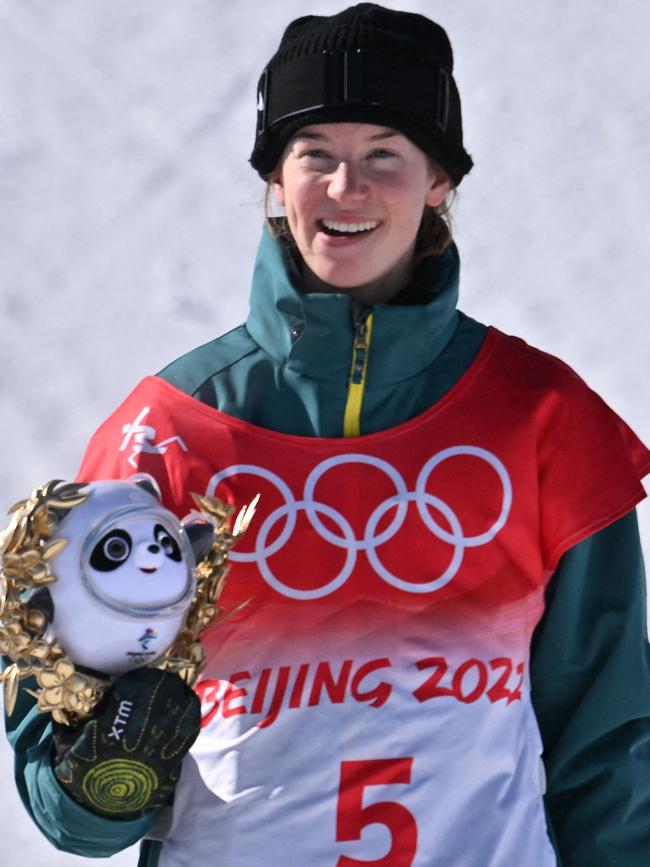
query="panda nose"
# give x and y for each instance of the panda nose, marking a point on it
(149, 556)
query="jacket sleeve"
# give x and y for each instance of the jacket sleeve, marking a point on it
(590, 679)
(67, 825)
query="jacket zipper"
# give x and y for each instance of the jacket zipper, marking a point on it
(358, 370)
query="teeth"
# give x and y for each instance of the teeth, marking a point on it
(350, 227)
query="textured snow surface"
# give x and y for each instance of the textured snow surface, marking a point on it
(129, 216)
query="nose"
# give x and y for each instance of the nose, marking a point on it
(347, 183)
(149, 555)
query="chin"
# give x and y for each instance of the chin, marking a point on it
(344, 280)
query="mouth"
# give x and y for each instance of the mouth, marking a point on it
(148, 571)
(340, 229)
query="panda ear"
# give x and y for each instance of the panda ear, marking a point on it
(201, 536)
(147, 483)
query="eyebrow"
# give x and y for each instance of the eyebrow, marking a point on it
(319, 136)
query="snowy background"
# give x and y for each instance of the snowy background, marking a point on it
(129, 216)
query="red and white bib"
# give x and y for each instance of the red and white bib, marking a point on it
(369, 703)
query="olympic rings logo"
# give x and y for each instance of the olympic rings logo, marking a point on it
(372, 540)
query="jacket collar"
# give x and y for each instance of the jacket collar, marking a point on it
(312, 333)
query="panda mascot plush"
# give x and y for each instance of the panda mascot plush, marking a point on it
(125, 579)
(99, 579)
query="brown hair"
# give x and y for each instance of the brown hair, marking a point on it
(436, 230)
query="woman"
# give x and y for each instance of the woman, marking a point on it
(438, 585)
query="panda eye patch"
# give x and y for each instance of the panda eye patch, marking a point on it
(111, 551)
(167, 543)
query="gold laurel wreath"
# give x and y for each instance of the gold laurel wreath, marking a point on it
(26, 552)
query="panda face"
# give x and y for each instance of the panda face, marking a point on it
(116, 546)
(137, 562)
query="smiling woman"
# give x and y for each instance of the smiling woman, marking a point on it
(441, 604)
(355, 196)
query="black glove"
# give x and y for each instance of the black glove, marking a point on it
(125, 760)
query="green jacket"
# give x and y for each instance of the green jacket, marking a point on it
(290, 368)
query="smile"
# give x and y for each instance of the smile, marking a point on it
(336, 228)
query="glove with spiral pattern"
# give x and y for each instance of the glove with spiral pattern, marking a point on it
(125, 760)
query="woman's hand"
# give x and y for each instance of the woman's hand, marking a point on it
(125, 760)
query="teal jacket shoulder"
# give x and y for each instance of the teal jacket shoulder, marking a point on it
(190, 372)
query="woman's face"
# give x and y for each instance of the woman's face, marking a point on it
(354, 194)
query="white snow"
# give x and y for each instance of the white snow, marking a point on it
(129, 216)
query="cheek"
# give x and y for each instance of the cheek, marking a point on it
(299, 203)
(407, 213)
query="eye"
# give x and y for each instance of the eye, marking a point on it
(111, 551)
(167, 543)
(316, 158)
(116, 549)
(381, 154)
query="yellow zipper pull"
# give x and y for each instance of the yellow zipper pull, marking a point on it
(357, 383)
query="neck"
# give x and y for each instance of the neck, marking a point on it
(379, 291)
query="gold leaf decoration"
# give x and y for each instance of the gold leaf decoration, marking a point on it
(186, 656)
(11, 677)
(53, 549)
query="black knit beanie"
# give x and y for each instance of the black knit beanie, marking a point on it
(366, 64)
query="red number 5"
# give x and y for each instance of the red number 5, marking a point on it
(352, 817)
